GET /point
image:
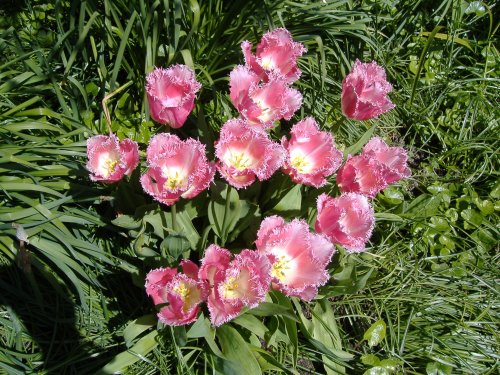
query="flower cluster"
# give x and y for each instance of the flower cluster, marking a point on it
(288, 257)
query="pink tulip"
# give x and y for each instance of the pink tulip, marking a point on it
(311, 154)
(299, 258)
(242, 282)
(374, 169)
(361, 174)
(109, 159)
(246, 153)
(364, 92)
(181, 292)
(276, 56)
(171, 93)
(176, 169)
(262, 104)
(393, 159)
(347, 220)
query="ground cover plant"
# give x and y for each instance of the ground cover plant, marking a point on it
(76, 247)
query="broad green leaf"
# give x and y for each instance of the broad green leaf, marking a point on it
(290, 204)
(174, 245)
(437, 368)
(138, 326)
(132, 355)
(237, 351)
(271, 309)
(226, 209)
(324, 329)
(376, 333)
(251, 323)
(377, 370)
(370, 359)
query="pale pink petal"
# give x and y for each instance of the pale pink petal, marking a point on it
(241, 80)
(347, 220)
(394, 159)
(109, 159)
(176, 168)
(299, 258)
(215, 259)
(156, 280)
(311, 154)
(361, 174)
(245, 153)
(178, 295)
(130, 155)
(247, 279)
(276, 56)
(364, 92)
(171, 93)
(262, 104)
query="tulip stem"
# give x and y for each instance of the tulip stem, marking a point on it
(173, 211)
(105, 103)
(226, 211)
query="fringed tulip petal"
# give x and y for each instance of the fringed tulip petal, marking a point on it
(109, 159)
(171, 93)
(361, 174)
(299, 258)
(245, 153)
(311, 154)
(176, 169)
(182, 294)
(276, 55)
(262, 104)
(364, 92)
(347, 220)
(241, 282)
(393, 159)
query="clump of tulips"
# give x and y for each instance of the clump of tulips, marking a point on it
(288, 256)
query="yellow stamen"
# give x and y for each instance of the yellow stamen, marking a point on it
(185, 293)
(240, 161)
(300, 163)
(110, 166)
(279, 268)
(174, 180)
(230, 288)
(267, 63)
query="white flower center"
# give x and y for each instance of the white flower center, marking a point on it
(300, 162)
(107, 164)
(175, 178)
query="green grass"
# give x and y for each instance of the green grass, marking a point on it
(71, 276)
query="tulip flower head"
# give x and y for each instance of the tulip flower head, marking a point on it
(299, 258)
(374, 169)
(262, 104)
(347, 220)
(235, 284)
(311, 154)
(246, 154)
(276, 56)
(109, 159)
(171, 93)
(181, 292)
(361, 174)
(364, 92)
(394, 160)
(176, 169)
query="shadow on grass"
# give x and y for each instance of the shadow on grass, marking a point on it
(36, 308)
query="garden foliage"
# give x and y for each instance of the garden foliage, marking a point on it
(78, 236)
